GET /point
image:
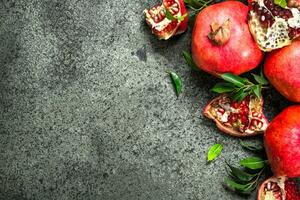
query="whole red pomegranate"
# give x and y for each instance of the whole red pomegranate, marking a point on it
(282, 69)
(282, 143)
(163, 27)
(278, 189)
(221, 40)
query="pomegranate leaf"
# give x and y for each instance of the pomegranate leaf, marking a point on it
(189, 60)
(240, 175)
(252, 147)
(177, 82)
(253, 163)
(236, 80)
(214, 151)
(257, 90)
(223, 88)
(281, 3)
(260, 79)
(169, 15)
(197, 4)
(236, 186)
(240, 95)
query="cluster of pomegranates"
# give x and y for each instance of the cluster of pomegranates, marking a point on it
(230, 37)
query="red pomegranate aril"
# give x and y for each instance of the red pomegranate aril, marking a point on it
(245, 120)
(234, 104)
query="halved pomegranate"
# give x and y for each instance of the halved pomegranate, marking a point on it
(237, 119)
(278, 189)
(272, 26)
(282, 143)
(165, 28)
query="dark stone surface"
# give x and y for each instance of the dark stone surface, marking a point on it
(88, 112)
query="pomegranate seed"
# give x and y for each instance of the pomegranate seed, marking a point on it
(244, 110)
(244, 120)
(232, 118)
(221, 110)
(234, 104)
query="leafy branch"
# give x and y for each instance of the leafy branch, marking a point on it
(246, 180)
(240, 87)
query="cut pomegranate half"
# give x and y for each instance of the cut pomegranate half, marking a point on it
(237, 119)
(272, 26)
(278, 189)
(165, 28)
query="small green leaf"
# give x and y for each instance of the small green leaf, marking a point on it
(181, 18)
(253, 163)
(236, 186)
(252, 147)
(214, 151)
(189, 60)
(240, 95)
(223, 88)
(260, 79)
(192, 18)
(241, 175)
(177, 82)
(236, 80)
(281, 3)
(169, 15)
(257, 90)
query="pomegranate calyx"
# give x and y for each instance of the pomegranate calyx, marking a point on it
(220, 34)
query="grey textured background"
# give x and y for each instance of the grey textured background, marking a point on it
(88, 112)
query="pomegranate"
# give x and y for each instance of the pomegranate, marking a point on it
(272, 26)
(278, 189)
(282, 143)
(237, 119)
(221, 40)
(165, 28)
(282, 69)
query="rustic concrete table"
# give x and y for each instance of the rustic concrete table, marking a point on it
(88, 112)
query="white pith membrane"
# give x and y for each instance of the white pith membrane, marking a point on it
(274, 189)
(220, 109)
(276, 36)
(159, 11)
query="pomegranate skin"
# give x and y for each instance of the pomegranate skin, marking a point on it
(240, 54)
(282, 143)
(282, 70)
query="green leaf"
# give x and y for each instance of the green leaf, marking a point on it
(240, 95)
(236, 80)
(169, 15)
(181, 18)
(240, 175)
(189, 60)
(177, 82)
(260, 79)
(252, 147)
(192, 18)
(223, 88)
(236, 186)
(257, 90)
(281, 3)
(253, 163)
(214, 151)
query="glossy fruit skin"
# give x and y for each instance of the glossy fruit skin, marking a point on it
(284, 188)
(240, 54)
(282, 70)
(282, 143)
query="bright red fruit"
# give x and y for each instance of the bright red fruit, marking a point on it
(278, 189)
(165, 28)
(237, 119)
(282, 143)
(221, 40)
(282, 69)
